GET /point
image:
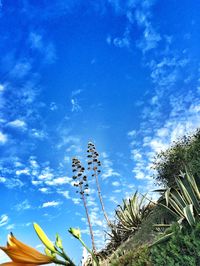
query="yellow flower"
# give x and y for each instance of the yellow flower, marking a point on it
(43, 237)
(22, 254)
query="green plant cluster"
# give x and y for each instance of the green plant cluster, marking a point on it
(182, 249)
(137, 257)
(184, 152)
(178, 209)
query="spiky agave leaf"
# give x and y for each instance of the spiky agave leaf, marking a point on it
(132, 212)
(183, 202)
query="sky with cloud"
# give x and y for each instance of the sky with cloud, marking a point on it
(122, 74)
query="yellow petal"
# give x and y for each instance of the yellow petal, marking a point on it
(43, 237)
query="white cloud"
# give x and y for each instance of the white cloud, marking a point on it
(36, 41)
(21, 70)
(107, 167)
(3, 138)
(38, 134)
(108, 172)
(44, 190)
(3, 219)
(11, 182)
(25, 205)
(51, 204)
(47, 49)
(64, 193)
(59, 181)
(25, 171)
(2, 87)
(10, 227)
(75, 105)
(76, 201)
(18, 123)
(116, 184)
(76, 92)
(53, 106)
(2, 179)
(131, 133)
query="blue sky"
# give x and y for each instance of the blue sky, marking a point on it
(123, 74)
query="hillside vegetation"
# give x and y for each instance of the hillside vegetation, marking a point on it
(168, 232)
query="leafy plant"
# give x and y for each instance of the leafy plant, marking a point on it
(181, 249)
(132, 212)
(77, 234)
(169, 163)
(139, 256)
(52, 250)
(184, 201)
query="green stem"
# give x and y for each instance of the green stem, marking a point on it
(64, 256)
(60, 262)
(93, 256)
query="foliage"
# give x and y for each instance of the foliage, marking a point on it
(77, 234)
(131, 237)
(184, 201)
(184, 152)
(132, 212)
(136, 257)
(182, 249)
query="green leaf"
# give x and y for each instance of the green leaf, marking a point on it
(189, 214)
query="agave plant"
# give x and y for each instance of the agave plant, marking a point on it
(183, 202)
(133, 211)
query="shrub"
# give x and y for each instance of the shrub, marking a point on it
(184, 152)
(183, 248)
(136, 257)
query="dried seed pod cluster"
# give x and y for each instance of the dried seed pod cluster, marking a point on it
(79, 177)
(93, 158)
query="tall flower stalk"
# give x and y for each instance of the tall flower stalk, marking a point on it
(80, 181)
(94, 165)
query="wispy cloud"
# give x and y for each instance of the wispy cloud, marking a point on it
(46, 48)
(24, 205)
(107, 167)
(3, 219)
(51, 204)
(17, 124)
(3, 138)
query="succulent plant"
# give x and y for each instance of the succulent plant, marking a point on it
(133, 211)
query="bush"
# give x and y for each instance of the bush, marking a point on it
(185, 152)
(183, 249)
(136, 257)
